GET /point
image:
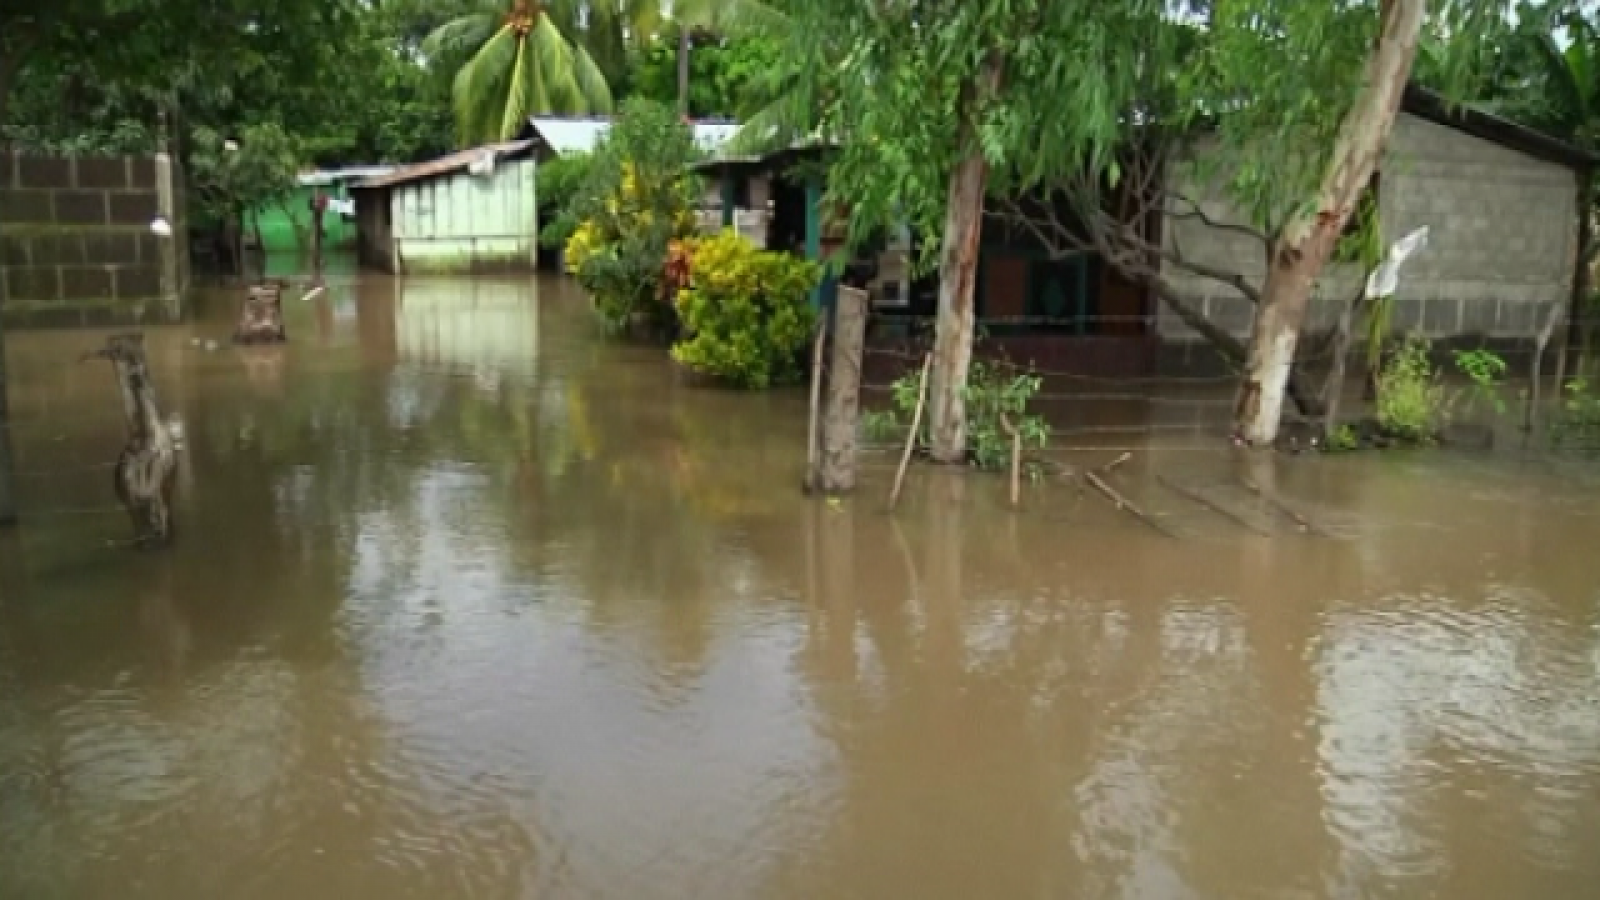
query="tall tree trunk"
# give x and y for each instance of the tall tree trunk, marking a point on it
(683, 69)
(952, 346)
(958, 271)
(1308, 240)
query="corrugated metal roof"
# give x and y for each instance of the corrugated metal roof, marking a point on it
(569, 135)
(444, 164)
(564, 134)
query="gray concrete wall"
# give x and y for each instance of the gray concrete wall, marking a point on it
(75, 241)
(1502, 238)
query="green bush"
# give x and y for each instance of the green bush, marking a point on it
(636, 198)
(1343, 439)
(623, 278)
(1578, 426)
(745, 317)
(559, 182)
(1411, 402)
(993, 390)
(1486, 370)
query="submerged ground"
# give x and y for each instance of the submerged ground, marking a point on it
(467, 602)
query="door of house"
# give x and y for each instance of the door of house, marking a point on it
(1059, 295)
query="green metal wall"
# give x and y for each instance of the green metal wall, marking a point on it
(278, 231)
(461, 221)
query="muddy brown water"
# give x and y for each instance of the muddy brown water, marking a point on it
(466, 602)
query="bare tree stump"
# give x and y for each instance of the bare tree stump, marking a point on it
(844, 391)
(261, 316)
(143, 476)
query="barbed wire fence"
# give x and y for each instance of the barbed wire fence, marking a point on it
(1105, 377)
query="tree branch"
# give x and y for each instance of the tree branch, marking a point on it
(1175, 256)
(1196, 212)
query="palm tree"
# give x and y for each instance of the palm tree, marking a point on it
(738, 18)
(523, 62)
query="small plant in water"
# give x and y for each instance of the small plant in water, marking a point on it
(997, 394)
(1578, 426)
(1410, 399)
(1343, 439)
(1486, 370)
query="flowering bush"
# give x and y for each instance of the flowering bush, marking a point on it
(637, 199)
(745, 315)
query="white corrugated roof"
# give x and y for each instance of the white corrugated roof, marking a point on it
(348, 173)
(567, 135)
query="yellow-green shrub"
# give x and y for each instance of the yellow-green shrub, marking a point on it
(745, 316)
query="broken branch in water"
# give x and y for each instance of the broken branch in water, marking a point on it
(1278, 504)
(1217, 508)
(911, 437)
(1124, 503)
(1126, 455)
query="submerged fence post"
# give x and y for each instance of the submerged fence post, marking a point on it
(844, 391)
(1531, 409)
(8, 488)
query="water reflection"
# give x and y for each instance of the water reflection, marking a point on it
(471, 604)
(490, 327)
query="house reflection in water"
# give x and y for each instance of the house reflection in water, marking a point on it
(488, 326)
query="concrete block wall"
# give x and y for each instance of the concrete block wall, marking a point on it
(1502, 238)
(75, 242)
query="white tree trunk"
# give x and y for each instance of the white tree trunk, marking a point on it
(952, 347)
(958, 275)
(1308, 240)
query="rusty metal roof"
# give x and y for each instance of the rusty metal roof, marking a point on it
(445, 165)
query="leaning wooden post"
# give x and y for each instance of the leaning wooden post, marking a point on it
(844, 391)
(911, 436)
(8, 494)
(814, 420)
(1549, 328)
(1016, 459)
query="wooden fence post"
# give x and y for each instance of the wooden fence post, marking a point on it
(844, 391)
(8, 493)
(1530, 409)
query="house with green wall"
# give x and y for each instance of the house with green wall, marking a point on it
(285, 227)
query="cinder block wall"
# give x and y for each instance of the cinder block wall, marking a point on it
(75, 241)
(1502, 238)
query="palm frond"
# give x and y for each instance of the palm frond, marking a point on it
(458, 38)
(517, 95)
(782, 123)
(480, 88)
(553, 56)
(591, 81)
(1565, 95)
(741, 18)
(539, 99)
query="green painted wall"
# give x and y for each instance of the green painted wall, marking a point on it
(278, 230)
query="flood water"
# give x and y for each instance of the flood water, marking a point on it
(467, 602)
